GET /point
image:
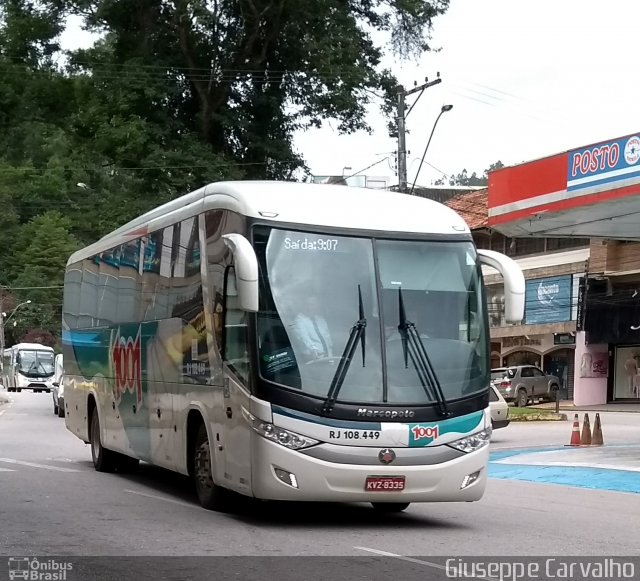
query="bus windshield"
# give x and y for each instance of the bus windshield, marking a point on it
(400, 322)
(35, 363)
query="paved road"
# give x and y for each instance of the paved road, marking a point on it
(53, 503)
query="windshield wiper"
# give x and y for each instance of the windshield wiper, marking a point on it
(356, 334)
(413, 346)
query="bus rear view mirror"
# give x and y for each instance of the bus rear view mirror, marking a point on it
(246, 271)
(514, 286)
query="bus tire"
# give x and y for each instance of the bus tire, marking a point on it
(390, 507)
(210, 495)
(125, 464)
(103, 460)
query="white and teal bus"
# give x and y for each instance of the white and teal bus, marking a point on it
(192, 341)
(28, 366)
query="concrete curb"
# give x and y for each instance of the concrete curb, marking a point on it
(630, 408)
(539, 417)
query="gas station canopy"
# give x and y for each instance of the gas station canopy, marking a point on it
(590, 192)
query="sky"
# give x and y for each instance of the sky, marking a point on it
(526, 78)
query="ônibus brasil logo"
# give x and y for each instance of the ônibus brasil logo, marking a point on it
(34, 569)
(126, 361)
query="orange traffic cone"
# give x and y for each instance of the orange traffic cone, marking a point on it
(575, 432)
(597, 433)
(585, 438)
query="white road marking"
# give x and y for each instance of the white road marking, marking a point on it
(7, 470)
(162, 498)
(402, 557)
(451, 571)
(35, 465)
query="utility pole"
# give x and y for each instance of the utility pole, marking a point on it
(402, 126)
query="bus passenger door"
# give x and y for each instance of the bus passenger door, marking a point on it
(235, 392)
(163, 372)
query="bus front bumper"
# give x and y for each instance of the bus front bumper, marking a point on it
(319, 480)
(34, 383)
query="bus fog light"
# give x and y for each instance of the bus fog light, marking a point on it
(473, 442)
(469, 479)
(286, 477)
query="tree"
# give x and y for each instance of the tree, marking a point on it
(463, 179)
(45, 243)
(41, 251)
(41, 336)
(173, 95)
(244, 75)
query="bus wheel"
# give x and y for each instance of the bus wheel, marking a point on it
(103, 460)
(209, 494)
(390, 507)
(123, 463)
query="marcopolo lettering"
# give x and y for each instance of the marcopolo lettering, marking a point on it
(386, 414)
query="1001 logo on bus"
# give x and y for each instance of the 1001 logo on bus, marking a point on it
(420, 432)
(127, 364)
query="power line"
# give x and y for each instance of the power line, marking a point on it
(365, 168)
(110, 168)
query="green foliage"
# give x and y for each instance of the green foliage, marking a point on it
(45, 244)
(464, 179)
(171, 96)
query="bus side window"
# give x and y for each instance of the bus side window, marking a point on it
(235, 350)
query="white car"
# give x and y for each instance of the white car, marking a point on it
(499, 409)
(58, 397)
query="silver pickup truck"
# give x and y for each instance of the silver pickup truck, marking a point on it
(524, 383)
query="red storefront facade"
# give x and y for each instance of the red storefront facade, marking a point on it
(589, 192)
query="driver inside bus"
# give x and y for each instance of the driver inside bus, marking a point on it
(311, 330)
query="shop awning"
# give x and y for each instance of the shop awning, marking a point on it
(590, 192)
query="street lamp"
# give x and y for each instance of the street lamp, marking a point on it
(3, 321)
(344, 169)
(14, 310)
(444, 109)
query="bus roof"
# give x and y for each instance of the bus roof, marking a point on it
(30, 347)
(298, 203)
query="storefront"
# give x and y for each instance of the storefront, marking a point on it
(612, 335)
(547, 337)
(626, 375)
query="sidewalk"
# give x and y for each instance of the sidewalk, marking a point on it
(614, 468)
(568, 406)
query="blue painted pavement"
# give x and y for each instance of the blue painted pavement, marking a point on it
(615, 468)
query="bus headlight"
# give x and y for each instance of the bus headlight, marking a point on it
(473, 442)
(285, 438)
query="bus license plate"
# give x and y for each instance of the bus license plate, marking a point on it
(384, 483)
